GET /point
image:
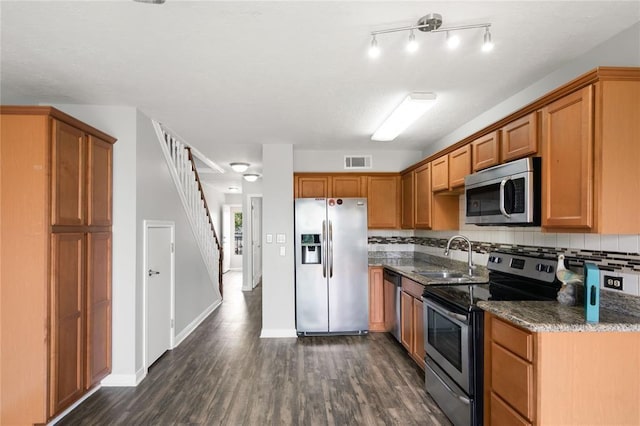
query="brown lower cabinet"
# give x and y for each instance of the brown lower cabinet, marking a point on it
(411, 320)
(55, 309)
(376, 299)
(559, 378)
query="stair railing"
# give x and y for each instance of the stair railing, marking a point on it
(185, 176)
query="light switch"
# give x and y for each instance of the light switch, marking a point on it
(280, 239)
(269, 238)
(282, 251)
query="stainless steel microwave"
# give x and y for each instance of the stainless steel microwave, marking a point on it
(507, 194)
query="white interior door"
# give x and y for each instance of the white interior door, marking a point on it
(159, 277)
(226, 237)
(256, 239)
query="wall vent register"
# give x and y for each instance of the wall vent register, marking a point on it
(357, 162)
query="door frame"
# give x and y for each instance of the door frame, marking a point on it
(145, 279)
(247, 231)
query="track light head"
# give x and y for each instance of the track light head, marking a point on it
(374, 50)
(412, 45)
(487, 45)
(453, 40)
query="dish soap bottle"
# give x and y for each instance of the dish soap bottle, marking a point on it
(591, 292)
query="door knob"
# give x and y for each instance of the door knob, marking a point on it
(152, 272)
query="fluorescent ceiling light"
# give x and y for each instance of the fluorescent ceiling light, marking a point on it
(404, 115)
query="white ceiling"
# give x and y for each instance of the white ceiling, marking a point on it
(231, 76)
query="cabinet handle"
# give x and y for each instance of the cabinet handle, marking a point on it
(152, 272)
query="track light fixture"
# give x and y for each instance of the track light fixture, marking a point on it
(431, 23)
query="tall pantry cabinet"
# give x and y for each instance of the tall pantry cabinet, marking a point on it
(55, 267)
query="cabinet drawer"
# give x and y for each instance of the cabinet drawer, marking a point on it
(512, 380)
(503, 415)
(412, 287)
(517, 341)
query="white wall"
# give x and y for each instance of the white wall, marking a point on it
(278, 304)
(333, 161)
(622, 49)
(143, 189)
(158, 200)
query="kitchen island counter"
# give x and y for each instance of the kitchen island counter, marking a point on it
(539, 316)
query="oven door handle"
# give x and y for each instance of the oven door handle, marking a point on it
(442, 310)
(502, 209)
(462, 398)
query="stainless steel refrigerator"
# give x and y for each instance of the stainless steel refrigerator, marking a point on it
(332, 290)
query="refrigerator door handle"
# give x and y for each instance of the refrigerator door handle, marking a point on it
(330, 249)
(323, 256)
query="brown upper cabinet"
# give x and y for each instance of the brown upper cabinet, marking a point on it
(67, 179)
(311, 186)
(459, 166)
(486, 151)
(325, 185)
(440, 174)
(590, 150)
(520, 138)
(383, 201)
(423, 196)
(407, 215)
(354, 186)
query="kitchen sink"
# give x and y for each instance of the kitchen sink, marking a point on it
(440, 274)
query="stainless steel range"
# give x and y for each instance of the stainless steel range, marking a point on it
(454, 329)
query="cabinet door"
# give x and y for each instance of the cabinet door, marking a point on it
(567, 166)
(98, 307)
(418, 328)
(312, 187)
(408, 199)
(440, 174)
(486, 151)
(383, 201)
(68, 175)
(100, 157)
(376, 299)
(389, 305)
(423, 197)
(348, 186)
(520, 138)
(406, 320)
(459, 166)
(67, 312)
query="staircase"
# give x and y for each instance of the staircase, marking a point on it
(185, 176)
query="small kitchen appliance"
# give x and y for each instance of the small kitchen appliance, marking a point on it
(454, 328)
(331, 253)
(507, 194)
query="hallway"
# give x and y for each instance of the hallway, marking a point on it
(223, 373)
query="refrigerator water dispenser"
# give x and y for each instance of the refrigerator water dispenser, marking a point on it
(311, 249)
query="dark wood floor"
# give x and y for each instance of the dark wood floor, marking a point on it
(223, 373)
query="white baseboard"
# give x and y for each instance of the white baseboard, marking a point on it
(124, 380)
(273, 333)
(195, 323)
(72, 407)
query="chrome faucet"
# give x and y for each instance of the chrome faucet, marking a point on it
(462, 237)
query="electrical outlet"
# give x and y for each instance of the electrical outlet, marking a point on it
(613, 282)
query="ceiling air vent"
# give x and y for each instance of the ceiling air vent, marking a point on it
(352, 162)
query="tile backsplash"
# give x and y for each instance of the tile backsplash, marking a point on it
(616, 255)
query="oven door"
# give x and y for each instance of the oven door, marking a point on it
(447, 341)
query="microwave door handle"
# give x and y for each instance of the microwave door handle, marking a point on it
(502, 209)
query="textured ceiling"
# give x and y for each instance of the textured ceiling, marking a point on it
(231, 76)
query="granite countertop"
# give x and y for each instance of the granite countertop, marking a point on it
(537, 316)
(407, 266)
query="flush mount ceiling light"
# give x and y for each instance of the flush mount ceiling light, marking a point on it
(404, 115)
(251, 177)
(150, 1)
(239, 167)
(234, 189)
(431, 23)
